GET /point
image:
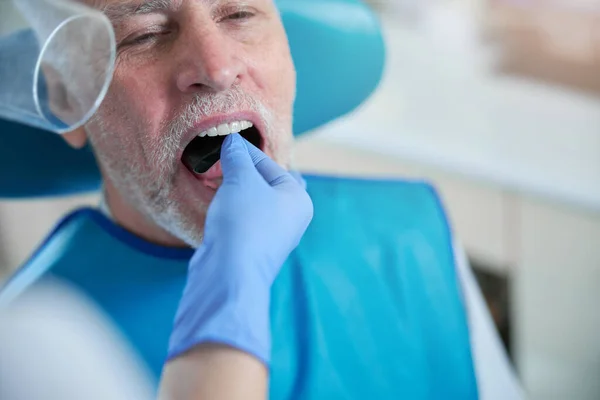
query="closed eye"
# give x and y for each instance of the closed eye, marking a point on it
(143, 38)
(240, 15)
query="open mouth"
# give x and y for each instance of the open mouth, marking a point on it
(205, 150)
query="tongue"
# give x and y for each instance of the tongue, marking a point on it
(213, 172)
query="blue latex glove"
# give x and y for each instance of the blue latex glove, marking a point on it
(255, 220)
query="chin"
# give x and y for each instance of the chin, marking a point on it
(194, 191)
(183, 210)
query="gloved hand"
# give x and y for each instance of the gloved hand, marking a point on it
(255, 220)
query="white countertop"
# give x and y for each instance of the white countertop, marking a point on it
(440, 105)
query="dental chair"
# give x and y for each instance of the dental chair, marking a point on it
(377, 259)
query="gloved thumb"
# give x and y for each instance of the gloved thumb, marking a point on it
(273, 173)
(298, 177)
(235, 159)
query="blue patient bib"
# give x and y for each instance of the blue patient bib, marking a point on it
(367, 307)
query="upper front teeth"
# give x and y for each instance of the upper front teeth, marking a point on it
(226, 129)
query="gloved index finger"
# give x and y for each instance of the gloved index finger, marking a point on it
(235, 158)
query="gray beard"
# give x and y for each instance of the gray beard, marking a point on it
(148, 191)
(148, 195)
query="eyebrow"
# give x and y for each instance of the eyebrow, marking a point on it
(117, 12)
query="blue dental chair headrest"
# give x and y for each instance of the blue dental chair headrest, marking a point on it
(338, 50)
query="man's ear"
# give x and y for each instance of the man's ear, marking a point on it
(76, 138)
(62, 104)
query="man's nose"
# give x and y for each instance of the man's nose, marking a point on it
(208, 62)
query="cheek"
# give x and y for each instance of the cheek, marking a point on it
(272, 70)
(136, 102)
(285, 72)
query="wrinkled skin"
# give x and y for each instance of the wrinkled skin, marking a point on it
(183, 63)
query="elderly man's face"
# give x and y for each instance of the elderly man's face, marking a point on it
(184, 67)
